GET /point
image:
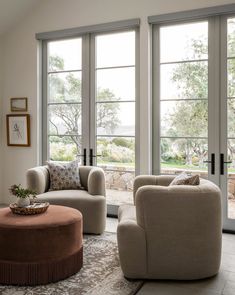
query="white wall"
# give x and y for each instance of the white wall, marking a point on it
(20, 63)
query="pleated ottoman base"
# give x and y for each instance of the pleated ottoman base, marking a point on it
(40, 249)
(30, 274)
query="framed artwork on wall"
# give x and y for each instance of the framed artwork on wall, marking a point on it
(18, 130)
(19, 104)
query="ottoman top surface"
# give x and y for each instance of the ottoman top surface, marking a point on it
(54, 216)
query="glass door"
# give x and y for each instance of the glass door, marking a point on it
(182, 83)
(90, 105)
(114, 113)
(227, 151)
(194, 105)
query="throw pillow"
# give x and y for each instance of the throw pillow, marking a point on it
(185, 179)
(64, 175)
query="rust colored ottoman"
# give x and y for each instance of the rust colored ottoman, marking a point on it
(40, 249)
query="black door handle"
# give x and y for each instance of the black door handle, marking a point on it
(84, 157)
(222, 162)
(212, 162)
(91, 157)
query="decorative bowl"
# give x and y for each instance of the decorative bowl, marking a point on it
(34, 208)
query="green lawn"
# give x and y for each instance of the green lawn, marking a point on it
(188, 167)
(181, 166)
(170, 165)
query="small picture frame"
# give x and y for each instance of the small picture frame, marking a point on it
(18, 130)
(19, 104)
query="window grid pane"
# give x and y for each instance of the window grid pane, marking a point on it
(177, 81)
(117, 118)
(65, 87)
(65, 55)
(191, 44)
(115, 49)
(115, 84)
(64, 148)
(116, 152)
(65, 119)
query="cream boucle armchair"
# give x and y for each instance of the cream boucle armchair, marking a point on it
(91, 201)
(172, 232)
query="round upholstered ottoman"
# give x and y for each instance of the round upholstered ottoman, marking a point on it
(40, 249)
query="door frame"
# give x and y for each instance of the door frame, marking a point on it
(228, 223)
(217, 102)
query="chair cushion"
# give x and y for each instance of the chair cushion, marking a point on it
(68, 198)
(64, 176)
(93, 208)
(184, 179)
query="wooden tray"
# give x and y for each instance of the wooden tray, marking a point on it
(34, 208)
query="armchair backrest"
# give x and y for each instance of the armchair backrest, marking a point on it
(92, 179)
(157, 204)
(141, 180)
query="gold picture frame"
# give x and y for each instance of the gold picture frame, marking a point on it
(18, 130)
(19, 104)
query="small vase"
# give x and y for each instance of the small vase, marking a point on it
(23, 202)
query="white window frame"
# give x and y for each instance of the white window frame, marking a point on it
(87, 34)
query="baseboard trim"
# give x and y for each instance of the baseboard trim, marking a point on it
(228, 231)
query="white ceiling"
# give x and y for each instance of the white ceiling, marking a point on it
(12, 11)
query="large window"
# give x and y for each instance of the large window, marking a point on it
(89, 105)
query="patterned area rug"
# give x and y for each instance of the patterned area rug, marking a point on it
(101, 273)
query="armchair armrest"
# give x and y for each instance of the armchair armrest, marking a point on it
(96, 182)
(131, 243)
(38, 179)
(163, 180)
